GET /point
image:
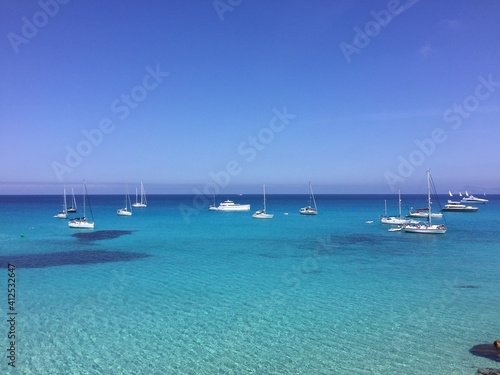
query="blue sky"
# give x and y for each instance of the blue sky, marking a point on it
(355, 96)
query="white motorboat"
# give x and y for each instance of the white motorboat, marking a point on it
(81, 222)
(229, 205)
(458, 207)
(309, 210)
(427, 227)
(143, 202)
(262, 214)
(469, 198)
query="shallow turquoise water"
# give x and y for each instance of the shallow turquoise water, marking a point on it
(222, 293)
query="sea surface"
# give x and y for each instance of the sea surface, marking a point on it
(178, 289)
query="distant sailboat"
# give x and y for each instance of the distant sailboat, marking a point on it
(392, 219)
(142, 203)
(125, 211)
(427, 228)
(262, 214)
(73, 207)
(213, 207)
(81, 222)
(309, 210)
(64, 213)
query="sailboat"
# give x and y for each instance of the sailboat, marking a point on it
(81, 222)
(213, 207)
(64, 213)
(125, 211)
(262, 214)
(143, 203)
(427, 228)
(392, 219)
(73, 207)
(309, 210)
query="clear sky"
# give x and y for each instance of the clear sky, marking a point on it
(354, 96)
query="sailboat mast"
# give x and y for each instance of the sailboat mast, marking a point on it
(264, 188)
(399, 200)
(312, 195)
(65, 205)
(84, 191)
(429, 195)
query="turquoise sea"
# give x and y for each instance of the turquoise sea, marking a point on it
(222, 293)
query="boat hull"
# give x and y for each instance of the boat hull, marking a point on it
(81, 225)
(241, 207)
(308, 211)
(124, 212)
(262, 215)
(393, 221)
(425, 229)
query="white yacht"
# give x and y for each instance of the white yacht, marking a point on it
(469, 198)
(309, 210)
(262, 214)
(229, 205)
(427, 227)
(394, 220)
(453, 206)
(142, 203)
(127, 210)
(81, 222)
(64, 213)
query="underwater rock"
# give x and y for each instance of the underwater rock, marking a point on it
(100, 235)
(488, 371)
(65, 258)
(486, 351)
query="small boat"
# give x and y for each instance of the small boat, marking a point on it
(64, 213)
(394, 220)
(73, 207)
(125, 211)
(309, 210)
(81, 222)
(262, 214)
(142, 203)
(399, 228)
(472, 199)
(213, 207)
(453, 206)
(229, 205)
(428, 227)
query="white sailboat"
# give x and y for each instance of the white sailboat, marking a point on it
(309, 210)
(125, 211)
(73, 207)
(64, 213)
(428, 227)
(393, 220)
(262, 214)
(143, 203)
(213, 207)
(81, 222)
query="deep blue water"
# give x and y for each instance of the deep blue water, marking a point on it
(178, 289)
